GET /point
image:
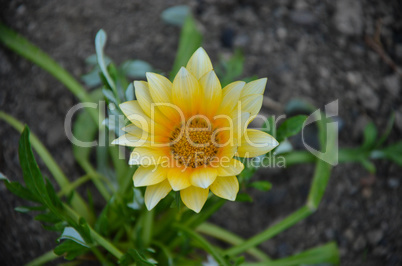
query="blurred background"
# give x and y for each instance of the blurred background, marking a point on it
(315, 51)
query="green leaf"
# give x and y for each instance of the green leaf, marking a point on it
(72, 234)
(370, 136)
(229, 70)
(388, 129)
(30, 170)
(138, 200)
(84, 130)
(136, 69)
(22, 192)
(47, 218)
(110, 96)
(130, 92)
(102, 223)
(70, 249)
(270, 126)
(190, 41)
(290, 127)
(261, 185)
(133, 255)
(54, 199)
(394, 153)
(325, 254)
(100, 41)
(243, 197)
(92, 78)
(176, 15)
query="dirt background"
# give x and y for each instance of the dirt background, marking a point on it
(309, 49)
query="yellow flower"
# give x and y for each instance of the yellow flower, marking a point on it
(187, 133)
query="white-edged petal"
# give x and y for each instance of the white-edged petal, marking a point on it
(194, 197)
(255, 143)
(186, 92)
(226, 187)
(252, 104)
(254, 87)
(199, 63)
(230, 97)
(233, 167)
(211, 93)
(203, 177)
(149, 175)
(153, 194)
(149, 156)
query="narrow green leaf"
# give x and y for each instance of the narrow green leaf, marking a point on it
(133, 255)
(261, 185)
(229, 70)
(394, 153)
(130, 92)
(30, 170)
(47, 218)
(290, 127)
(92, 78)
(190, 41)
(370, 136)
(175, 15)
(100, 41)
(70, 249)
(388, 129)
(22, 192)
(322, 255)
(369, 166)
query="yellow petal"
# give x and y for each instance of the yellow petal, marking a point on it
(233, 167)
(255, 143)
(226, 187)
(254, 87)
(194, 197)
(203, 177)
(186, 92)
(149, 156)
(252, 104)
(149, 175)
(179, 178)
(211, 93)
(240, 123)
(147, 104)
(199, 63)
(153, 194)
(160, 88)
(230, 97)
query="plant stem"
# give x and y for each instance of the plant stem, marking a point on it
(67, 190)
(148, 223)
(95, 177)
(43, 259)
(270, 232)
(224, 235)
(77, 201)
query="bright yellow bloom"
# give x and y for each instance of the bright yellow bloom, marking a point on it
(187, 133)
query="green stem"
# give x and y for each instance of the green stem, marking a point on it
(23, 47)
(204, 243)
(224, 235)
(270, 232)
(43, 259)
(96, 179)
(67, 190)
(97, 237)
(77, 202)
(148, 222)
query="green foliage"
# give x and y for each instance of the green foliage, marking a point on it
(190, 40)
(290, 127)
(230, 69)
(70, 249)
(176, 15)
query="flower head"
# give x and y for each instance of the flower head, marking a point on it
(188, 134)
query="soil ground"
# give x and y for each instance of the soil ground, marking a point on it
(309, 49)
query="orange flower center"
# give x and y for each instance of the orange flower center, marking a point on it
(194, 143)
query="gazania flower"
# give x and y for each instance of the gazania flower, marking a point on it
(188, 134)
